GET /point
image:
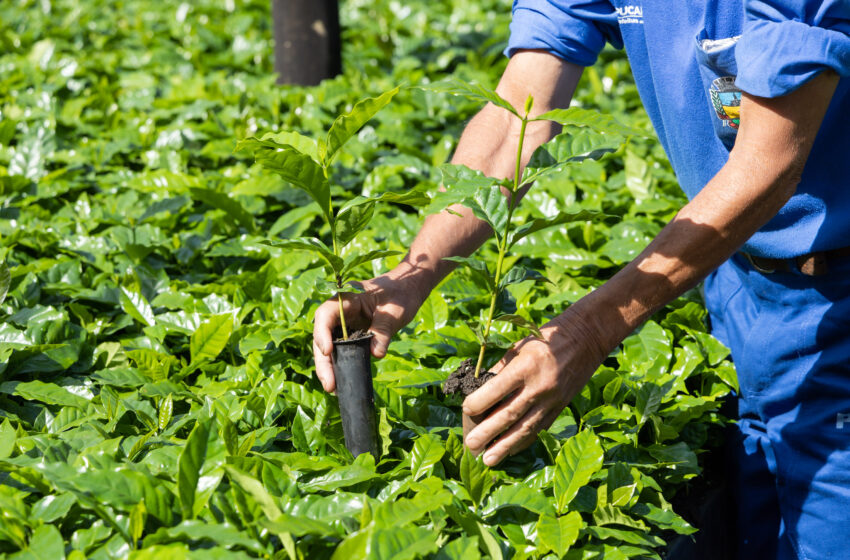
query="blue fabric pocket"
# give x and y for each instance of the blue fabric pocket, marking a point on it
(718, 69)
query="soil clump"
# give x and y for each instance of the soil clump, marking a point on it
(356, 335)
(463, 380)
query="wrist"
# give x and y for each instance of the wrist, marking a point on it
(413, 280)
(598, 323)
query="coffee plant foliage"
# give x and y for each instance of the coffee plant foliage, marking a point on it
(157, 392)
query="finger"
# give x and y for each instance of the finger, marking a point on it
(510, 412)
(324, 368)
(490, 394)
(383, 328)
(326, 318)
(517, 437)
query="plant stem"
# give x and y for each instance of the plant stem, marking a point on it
(503, 246)
(339, 291)
(332, 224)
(342, 317)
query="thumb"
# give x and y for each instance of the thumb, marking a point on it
(383, 329)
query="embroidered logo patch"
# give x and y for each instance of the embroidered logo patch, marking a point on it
(726, 99)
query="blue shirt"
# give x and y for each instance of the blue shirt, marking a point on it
(692, 58)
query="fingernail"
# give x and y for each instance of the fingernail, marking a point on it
(489, 459)
(472, 443)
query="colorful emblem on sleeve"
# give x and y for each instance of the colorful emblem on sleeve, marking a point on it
(726, 99)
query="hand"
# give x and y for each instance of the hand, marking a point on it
(386, 304)
(535, 382)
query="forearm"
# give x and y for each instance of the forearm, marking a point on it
(760, 176)
(705, 233)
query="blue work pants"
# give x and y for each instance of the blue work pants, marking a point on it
(790, 340)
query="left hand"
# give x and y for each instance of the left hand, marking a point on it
(537, 378)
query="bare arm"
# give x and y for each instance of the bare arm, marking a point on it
(762, 173)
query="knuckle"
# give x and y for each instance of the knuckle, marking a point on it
(512, 415)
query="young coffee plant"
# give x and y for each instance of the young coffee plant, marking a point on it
(587, 135)
(306, 164)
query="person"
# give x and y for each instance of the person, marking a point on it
(751, 101)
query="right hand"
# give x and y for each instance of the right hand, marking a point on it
(383, 308)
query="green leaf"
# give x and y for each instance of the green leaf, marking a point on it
(346, 126)
(521, 322)
(518, 495)
(47, 393)
(489, 204)
(255, 489)
(234, 210)
(137, 307)
(211, 337)
(538, 224)
(303, 144)
(477, 267)
(558, 534)
(460, 182)
(578, 116)
(579, 459)
(352, 220)
(138, 516)
(406, 511)
(298, 526)
(472, 91)
(519, 274)
(475, 476)
(356, 214)
(199, 467)
(46, 544)
(638, 176)
(5, 280)
(8, 436)
(621, 485)
(574, 145)
(650, 350)
(426, 452)
(312, 245)
(296, 168)
(166, 408)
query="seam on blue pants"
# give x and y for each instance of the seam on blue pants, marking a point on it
(790, 339)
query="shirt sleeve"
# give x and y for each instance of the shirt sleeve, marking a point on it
(785, 43)
(574, 30)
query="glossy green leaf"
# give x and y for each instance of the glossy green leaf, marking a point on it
(475, 476)
(5, 280)
(199, 467)
(47, 393)
(558, 534)
(477, 267)
(345, 126)
(303, 144)
(578, 116)
(231, 207)
(574, 145)
(472, 91)
(579, 459)
(137, 306)
(312, 245)
(538, 224)
(296, 168)
(521, 322)
(211, 337)
(427, 451)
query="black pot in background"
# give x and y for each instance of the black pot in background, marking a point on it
(353, 373)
